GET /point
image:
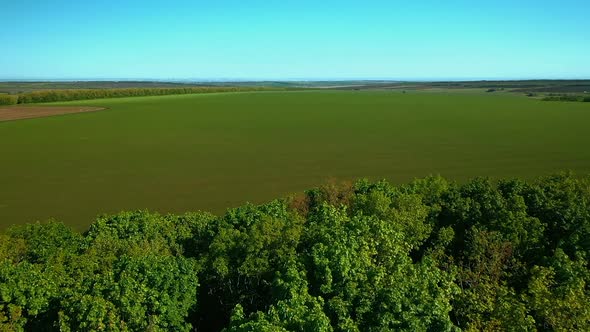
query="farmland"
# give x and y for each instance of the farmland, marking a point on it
(9, 113)
(210, 152)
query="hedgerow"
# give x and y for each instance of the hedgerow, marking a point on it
(46, 96)
(8, 99)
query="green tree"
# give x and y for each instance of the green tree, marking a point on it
(27, 293)
(362, 268)
(145, 293)
(250, 244)
(558, 294)
(293, 310)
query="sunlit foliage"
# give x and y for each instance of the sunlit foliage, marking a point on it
(430, 255)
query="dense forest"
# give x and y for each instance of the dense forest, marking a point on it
(47, 96)
(431, 255)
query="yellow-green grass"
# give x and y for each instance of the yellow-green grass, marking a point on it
(211, 152)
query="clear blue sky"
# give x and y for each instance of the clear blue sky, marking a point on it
(268, 39)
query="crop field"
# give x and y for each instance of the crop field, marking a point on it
(210, 152)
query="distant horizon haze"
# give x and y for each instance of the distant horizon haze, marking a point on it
(242, 80)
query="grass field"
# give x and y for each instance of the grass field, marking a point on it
(210, 152)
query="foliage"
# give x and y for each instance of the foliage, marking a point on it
(140, 294)
(430, 255)
(559, 294)
(47, 96)
(565, 97)
(8, 99)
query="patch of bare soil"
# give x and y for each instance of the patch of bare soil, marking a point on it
(8, 113)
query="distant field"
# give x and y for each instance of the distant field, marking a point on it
(20, 87)
(521, 87)
(10, 113)
(210, 152)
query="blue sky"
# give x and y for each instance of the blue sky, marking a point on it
(453, 39)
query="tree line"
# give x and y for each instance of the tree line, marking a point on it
(431, 255)
(566, 97)
(47, 96)
(8, 99)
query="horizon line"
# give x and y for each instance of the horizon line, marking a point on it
(254, 80)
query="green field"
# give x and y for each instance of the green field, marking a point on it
(210, 152)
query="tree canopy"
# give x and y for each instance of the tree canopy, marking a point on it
(431, 255)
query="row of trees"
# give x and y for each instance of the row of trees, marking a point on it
(566, 97)
(46, 96)
(8, 99)
(431, 255)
